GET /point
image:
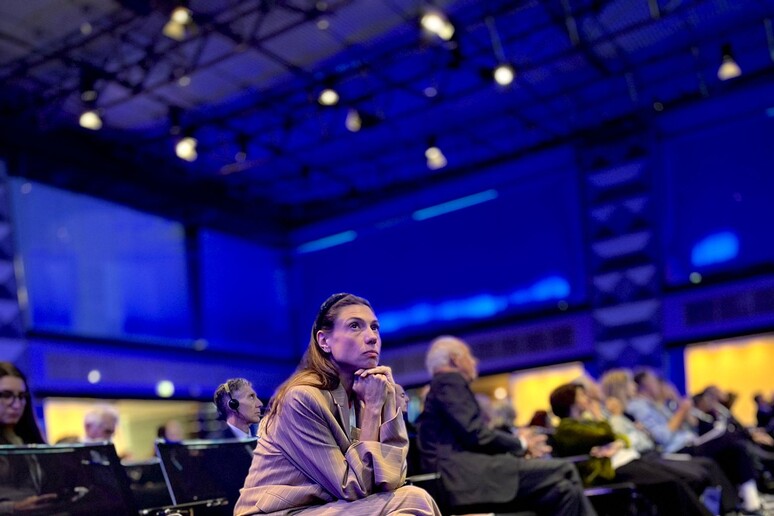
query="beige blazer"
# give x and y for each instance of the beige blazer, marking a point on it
(310, 456)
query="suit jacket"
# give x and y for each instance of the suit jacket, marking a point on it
(310, 456)
(477, 465)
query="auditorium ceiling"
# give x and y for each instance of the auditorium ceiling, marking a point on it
(245, 77)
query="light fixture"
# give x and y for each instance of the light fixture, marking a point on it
(434, 156)
(88, 87)
(435, 22)
(729, 69)
(185, 148)
(180, 23)
(353, 122)
(328, 97)
(91, 120)
(175, 113)
(504, 74)
(241, 154)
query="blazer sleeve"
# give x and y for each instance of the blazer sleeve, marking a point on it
(305, 431)
(462, 411)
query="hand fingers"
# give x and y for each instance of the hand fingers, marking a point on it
(383, 370)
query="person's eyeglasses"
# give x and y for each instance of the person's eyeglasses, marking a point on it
(8, 397)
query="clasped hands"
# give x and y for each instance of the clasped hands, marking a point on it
(375, 387)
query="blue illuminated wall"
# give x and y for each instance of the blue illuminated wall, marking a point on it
(245, 302)
(719, 192)
(97, 269)
(512, 245)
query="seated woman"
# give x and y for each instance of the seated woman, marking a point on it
(334, 441)
(19, 483)
(618, 389)
(610, 458)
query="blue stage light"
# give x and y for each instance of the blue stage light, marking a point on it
(326, 242)
(456, 204)
(716, 248)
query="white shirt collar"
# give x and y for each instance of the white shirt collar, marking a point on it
(238, 433)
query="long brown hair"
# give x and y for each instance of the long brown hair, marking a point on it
(27, 428)
(317, 368)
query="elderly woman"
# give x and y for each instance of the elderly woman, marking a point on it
(334, 441)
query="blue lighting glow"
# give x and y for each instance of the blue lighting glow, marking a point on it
(716, 248)
(474, 307)
(456, 204)
(326, 242)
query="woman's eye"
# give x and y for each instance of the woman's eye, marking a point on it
(354, 325)
(375, 327)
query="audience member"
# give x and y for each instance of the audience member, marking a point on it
(480, 466)
(20, 486)
(673, 433)
(541, 420)
(334, 441)
(610, 457)
(764, 411)
(504, 416)
(18, 425)
(619, 388)
(100, 423)
(712, 414)
(239, 406)
(403, 401)
(171, 431)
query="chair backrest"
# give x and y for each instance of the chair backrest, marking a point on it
(205, 469)
(146, 480)
(87, 478)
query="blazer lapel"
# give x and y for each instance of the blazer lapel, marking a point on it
(341, 401)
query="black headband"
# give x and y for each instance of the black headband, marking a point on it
(325, 308)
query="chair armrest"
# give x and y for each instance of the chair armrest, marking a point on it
(423, 477)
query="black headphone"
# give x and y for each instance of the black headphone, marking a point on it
(232, 403)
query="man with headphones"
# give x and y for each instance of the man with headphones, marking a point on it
(239, 406)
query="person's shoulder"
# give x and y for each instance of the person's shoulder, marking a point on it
(450, 378)
(305, 395)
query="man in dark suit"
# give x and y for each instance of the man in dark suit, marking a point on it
(482, 468)
(239, 406)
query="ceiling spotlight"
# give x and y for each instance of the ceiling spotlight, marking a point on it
(434, 156)
(328, 97)
(728, 68)
(435, 22)
(181, 15)
(91, 120)
(243, 142)
(353, 122)
(504, 74)
(179, 24)
(185, 148)
(88, 86)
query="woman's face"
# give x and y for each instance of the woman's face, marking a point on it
(354, 342)
(11, 407)
(581, 399)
